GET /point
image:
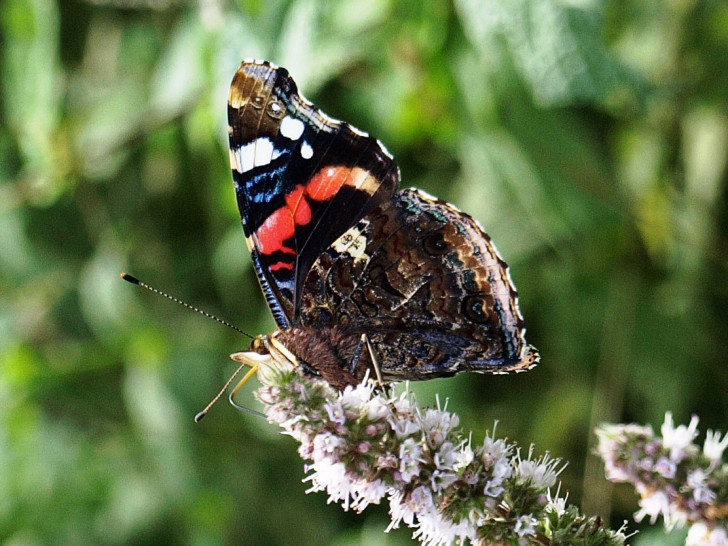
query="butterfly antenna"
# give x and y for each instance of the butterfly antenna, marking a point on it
(134, 280)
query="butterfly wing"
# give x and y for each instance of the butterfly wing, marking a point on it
(301, 179)
(428, 288)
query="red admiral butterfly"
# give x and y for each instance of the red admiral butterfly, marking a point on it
(358, 274)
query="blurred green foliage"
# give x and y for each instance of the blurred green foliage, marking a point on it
(590, 138)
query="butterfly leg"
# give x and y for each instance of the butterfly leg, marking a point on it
(375, 362)
(357, 355)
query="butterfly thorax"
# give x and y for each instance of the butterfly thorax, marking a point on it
(329, 353)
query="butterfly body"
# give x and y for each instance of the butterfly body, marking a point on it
(357, 273)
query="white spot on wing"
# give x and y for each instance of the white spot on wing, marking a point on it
(306, 150)
(353, 243)
(234, 161)
(356, 131)
(263, 151)
(245, 155)
(384, 149)
(253, 154)
(291, 128)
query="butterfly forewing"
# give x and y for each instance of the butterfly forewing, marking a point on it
(301, 179)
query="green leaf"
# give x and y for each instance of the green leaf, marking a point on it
(31, 85)
(557, 48)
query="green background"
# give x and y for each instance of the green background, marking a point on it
(589, 138)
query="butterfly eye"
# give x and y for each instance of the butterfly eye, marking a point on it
(257, 102)
(258, 346)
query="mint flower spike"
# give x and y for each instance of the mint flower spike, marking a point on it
(365, 447)
(674, 477)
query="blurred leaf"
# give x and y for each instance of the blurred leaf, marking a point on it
(590, 138)
(556, 47)
(180, 75)
(32, 90)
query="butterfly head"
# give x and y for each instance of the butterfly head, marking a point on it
(271, 346)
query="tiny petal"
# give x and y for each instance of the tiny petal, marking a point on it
(378, 409)
(368, 493)
(556, 504)
(676, 439)
(653, 505)
(325, 445)
(538, 474)
(464, 458)
(702, 534)
(666, 467)
(410, 458)
(696, 480)
(437, 424)
(713, 447)
(526, 525)
(335, 411)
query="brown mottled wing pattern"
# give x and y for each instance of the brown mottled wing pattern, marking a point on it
(428, 288)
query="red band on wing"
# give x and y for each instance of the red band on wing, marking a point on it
(327, 182)
(281, 225)
(277, 228)
(281, 265)
(323, 186)
(297, 204)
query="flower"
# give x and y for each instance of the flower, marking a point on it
(540, 474)
(366, 447)
(332, 478)
(410, 459)
(525, 525)
(674, 478)
(653, 504)
(697, 481)
(665, 467)
(676, 439)
(702, 534)
(335, 411)
(437, 424)
(556, 504)
(713, 447)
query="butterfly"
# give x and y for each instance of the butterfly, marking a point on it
(360, 276)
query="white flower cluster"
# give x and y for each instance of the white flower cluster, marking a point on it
(366, 447)
(674, 477)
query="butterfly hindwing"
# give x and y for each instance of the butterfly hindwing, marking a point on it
(426, 285)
